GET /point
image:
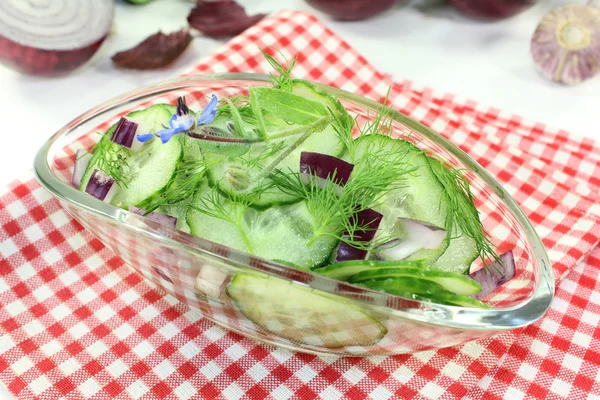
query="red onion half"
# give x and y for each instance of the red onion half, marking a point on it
(492, 9)
(52, 36)
(351, 10)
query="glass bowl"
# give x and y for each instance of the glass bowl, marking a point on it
(280, 305)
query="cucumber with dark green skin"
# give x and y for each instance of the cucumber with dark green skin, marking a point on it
(450, 281)
(345, 269)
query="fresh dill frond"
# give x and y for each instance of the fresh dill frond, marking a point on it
(333, 208)
(255, 161)
(284, 80)
(111, 158)
(214, 205)
(463, 217)
(242, 105)
(187, 178)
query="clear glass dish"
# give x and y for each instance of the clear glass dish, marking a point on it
(349, 320)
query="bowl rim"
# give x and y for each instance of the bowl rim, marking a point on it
(470, 319)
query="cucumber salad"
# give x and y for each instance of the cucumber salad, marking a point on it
(285, 173)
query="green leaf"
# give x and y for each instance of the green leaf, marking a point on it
(288, 106)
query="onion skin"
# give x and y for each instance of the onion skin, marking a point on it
(566, 44)
(32, 61)
(351, 10)
(491, 9)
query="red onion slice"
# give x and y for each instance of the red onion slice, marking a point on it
(52, 36)
(162, 219)
(369, 219)
(219, 19)
(419, 235)
(101, 186)
(82, 159)
(324, 167)
(124, 133)
(496, 274)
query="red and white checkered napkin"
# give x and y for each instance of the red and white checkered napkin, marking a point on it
(78, 323)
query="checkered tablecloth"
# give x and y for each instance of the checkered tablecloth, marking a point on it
(76, 322)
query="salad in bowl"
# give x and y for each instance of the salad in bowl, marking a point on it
(283, 211)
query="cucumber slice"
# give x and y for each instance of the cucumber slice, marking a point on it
(450, 281)
(459, 255)
(399, 286)
(303, 315)
(345, 269)
(150, 170)
(422, 196)
(278, 233)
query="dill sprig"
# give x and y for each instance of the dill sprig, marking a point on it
(333, 208)
(187, 178)
(284, 80)
(242, 105)
(256, 160)
(463, 216)
(215, 206)
(111, 158)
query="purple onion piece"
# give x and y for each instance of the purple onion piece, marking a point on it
(495, 275)
(369, 219)
(325, 167)
(419, 235)
(101, 186)
(162, 219)
(566, 44)
(124, 133)
(82, 159)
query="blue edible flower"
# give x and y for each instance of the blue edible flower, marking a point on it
(182, 121)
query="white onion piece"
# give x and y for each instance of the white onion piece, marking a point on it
(82, 159)
(101, 186)
(495, 275)
(419, 235)
(162, 219)
(52, 36)
(209, 281)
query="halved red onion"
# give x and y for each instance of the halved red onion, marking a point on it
(124, 133)
(419, 235)
(52, 36)
(495, 275)
(162, 219)
(82, 159)
(101, 186)
(324, 167)
(369, 219)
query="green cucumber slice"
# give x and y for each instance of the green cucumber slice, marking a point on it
(345, 269)
(278, 233)
(303, 315)
(450, 281)
(399, 286)
(422, 196)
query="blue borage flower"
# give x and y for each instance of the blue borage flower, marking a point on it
(182, 121)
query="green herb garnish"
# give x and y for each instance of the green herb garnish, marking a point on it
(111, 158)
(283, 81)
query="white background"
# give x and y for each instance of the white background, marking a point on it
(487, 62)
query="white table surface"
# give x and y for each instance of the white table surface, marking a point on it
(487, 62)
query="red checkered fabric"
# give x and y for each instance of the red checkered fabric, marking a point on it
(78, 323)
